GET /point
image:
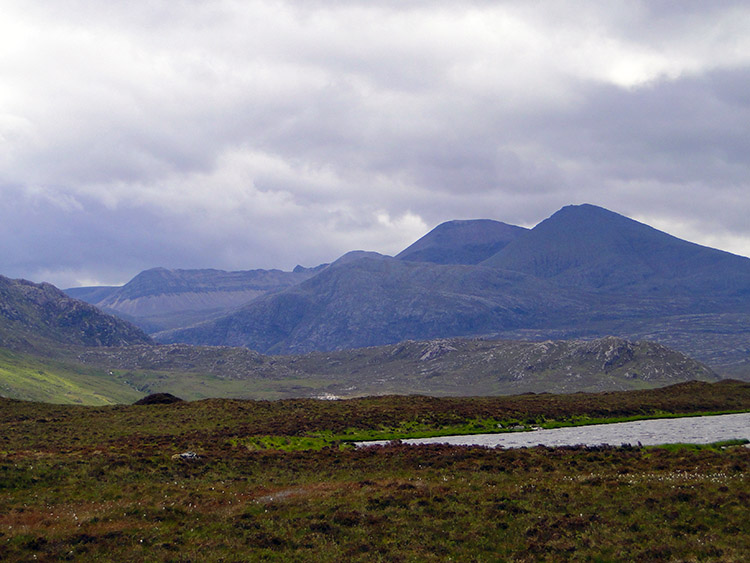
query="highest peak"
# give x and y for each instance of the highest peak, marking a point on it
(586, 245)
(587, 211)
(588, 220)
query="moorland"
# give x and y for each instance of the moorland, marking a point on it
(278, 480)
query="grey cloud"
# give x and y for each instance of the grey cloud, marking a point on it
(688, 135)
(265, 134)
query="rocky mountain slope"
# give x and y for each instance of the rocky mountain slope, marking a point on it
(40, 316)
(377, 300)
(160, 299)
(437, 367)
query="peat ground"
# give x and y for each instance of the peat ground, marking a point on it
(103, 483)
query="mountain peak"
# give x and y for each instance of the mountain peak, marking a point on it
(590, 246)
(461, 242)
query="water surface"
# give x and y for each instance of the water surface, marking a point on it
(691, 430)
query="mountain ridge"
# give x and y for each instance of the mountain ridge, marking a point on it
(39, 316)
(160, 298)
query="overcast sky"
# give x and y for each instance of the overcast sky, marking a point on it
(265, 134)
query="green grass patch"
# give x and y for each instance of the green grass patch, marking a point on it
(35, 379)
(716, 446)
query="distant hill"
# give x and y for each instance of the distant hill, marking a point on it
(39, 316)
(91, 295)
(160, 299)
(462, 242)
(377, 300)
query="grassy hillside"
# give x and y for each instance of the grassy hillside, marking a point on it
(35, 379)
(103, 483)
(31, 378)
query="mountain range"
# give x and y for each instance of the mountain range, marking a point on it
(473, 307)
(55, 348)
(585, 272)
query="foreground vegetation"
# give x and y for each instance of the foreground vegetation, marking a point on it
(104, 483)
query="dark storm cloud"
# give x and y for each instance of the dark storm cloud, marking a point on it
(265, 134)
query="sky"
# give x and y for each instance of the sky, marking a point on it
(265, 134)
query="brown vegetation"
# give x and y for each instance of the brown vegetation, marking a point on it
(101, 484)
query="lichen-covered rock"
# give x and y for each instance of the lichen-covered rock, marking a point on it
(186, 456)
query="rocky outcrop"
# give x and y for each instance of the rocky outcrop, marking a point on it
(452, 366)
(158, 399)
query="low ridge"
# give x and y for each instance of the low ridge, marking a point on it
(451, 366)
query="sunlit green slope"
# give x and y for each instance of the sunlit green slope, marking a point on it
(35, 379)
